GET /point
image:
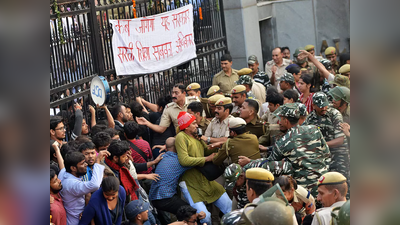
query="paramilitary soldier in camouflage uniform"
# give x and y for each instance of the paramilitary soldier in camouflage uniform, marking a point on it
(257, 75)
(301, 60)
(328, 120)
(303, 146)
(341, 101)
(239, 143)
(254, 125)
(247, 82)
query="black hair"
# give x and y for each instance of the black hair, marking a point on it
(226, 57)
(307, 78)
(253, 104)
(136, 109)
(291, 94)
(196, 107)
(111, 131)
(97, 128)
(118, 148)
(131, 129)
(286, 182)
(54, 121)
(82, 139)
(343, 58)
(72, 159)
(101, 139)
(110, 183)
(52, 150)
(228, 106)
(275, 98)
(86, 145)
(163, 101)
(294, 69)
(185, 212)
(181, 87)
(71, 146)
(271, 90)
(258, 186)
(284, 48)
(52, 173)
(116, 109)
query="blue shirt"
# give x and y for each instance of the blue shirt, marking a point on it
(88, 175)
(74, 191)
(170, 170)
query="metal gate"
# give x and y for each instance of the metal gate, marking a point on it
(81, 48)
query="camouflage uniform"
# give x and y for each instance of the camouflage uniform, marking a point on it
(246, 79)
(329, 125)
(262, 78)
(304, 147)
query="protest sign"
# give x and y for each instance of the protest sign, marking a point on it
(154, 43)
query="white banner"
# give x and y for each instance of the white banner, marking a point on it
(154, 43)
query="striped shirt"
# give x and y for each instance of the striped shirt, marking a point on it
(308, 102)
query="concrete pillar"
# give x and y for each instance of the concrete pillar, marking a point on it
(242, 31)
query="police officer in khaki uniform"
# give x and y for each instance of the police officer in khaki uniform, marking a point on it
(226, 78)
(196, 109)
(345, 70)
(254, 124)
(332, 190)
(194, 90)
(218, 130)
(171, 111)
(330, 53)
(310, 49)
(238, 96)
(242, 143)
(211, 105)
(214, 90)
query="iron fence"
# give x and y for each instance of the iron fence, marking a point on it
(82, 49)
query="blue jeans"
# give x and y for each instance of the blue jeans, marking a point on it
(224, 203)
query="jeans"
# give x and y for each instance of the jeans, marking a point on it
(224, 203)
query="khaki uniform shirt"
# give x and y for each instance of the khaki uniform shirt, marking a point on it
(244, 144)
(235, 111)
(323, 215)
(206, 107)
(225, 82)
(217, 129)
(270, 118)
(172, 111)
(203, 124)
(279, 72)
(259, 91)
(256, 127)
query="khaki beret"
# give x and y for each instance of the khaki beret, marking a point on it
(330, 51)
(193, 86)
(309, 47)
(244, 71)
(236, 122)
(344, 69)
(238, 89)
(213, 99)
(212, 90)
(223, 101)
(331, 178)
(259, 174)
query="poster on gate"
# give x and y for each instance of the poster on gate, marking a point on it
(154, 43)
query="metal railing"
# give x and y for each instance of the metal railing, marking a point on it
(84, 50)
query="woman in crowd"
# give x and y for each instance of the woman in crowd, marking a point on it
(106, 204)
(305, 89)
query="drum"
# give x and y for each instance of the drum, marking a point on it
(99, 90)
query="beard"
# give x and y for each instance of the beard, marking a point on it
(56, 191)
(79, 174)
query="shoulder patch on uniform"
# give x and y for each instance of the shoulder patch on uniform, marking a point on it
(170, 104)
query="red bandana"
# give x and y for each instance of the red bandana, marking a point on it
(126, 179)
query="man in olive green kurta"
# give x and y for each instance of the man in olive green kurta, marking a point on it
(194, 185)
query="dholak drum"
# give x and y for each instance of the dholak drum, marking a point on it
(99, 90)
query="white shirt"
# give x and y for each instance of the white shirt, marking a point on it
(324, 214)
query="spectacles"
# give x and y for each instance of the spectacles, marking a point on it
(61, 128)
